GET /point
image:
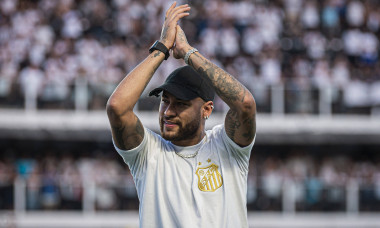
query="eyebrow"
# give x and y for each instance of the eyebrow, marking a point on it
(177, 99)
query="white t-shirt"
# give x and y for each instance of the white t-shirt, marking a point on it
(208, 190)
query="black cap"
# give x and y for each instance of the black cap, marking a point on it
(186, 84)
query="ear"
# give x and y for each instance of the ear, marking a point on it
(208, 107)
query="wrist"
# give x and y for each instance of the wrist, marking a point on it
(185, 50)
(165, 43)
(158, 45)
(188, 54)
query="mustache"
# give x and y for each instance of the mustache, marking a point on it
(170, 120)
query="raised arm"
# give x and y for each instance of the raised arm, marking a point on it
(240, 120)
(127, 130)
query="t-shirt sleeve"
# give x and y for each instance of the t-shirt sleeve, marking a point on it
(241, 154)
(136, 157)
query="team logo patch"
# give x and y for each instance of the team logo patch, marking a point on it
(209, 178)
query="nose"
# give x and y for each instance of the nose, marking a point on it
(169, 110)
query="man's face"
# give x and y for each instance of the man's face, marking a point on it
(179, 120)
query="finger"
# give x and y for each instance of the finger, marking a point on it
(181, 15)
(170, 8)
(179, 9)
(180, 34)
(180, 12)
(179, 29)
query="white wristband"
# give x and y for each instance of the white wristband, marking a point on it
(187, 56)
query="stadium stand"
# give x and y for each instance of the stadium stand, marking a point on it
(313, 67)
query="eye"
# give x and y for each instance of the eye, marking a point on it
(182, 104)
(165, 101)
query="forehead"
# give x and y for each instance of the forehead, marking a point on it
(166, 94)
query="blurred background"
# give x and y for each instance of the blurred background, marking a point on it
(312, 66)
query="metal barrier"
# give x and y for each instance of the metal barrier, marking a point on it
(279, 99)
(92, 197)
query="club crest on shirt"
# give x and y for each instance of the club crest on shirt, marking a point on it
(209, 178)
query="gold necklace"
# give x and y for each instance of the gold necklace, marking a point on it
(191, 155)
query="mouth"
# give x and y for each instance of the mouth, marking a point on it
(169, 124)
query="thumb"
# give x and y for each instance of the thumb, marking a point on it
(180, 36)
(179, 29)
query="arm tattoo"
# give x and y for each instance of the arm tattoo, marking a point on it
(156, 54)
(119, 134)
(242, 98)
(250, 127)
(124, 138)
(240, 123)
(226, 86)
(191, 62)
(182, 37)
(232, 123)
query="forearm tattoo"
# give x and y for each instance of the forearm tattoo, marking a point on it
(234, 94)
(154, 69)
(225, 85)
(250, 127)
(156, 54)
(232, 123)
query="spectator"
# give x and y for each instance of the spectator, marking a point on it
(65, 38)
(319, 179)
(272, 182)
(7, 176)
(70, 185)
(321, 76)
(356, 94)
(271, 69)
(340, 73)
(330, 18)
(229, 41)
(31, 82)
(355, 13)
(310, 15)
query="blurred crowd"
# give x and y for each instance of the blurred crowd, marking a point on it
(316, 181)
(54, 180)
(322, 180)
(47, 47)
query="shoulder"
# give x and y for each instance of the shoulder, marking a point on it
(219, 134)
(227, 148)
(151, 138)
(149, 148)
(215, 133)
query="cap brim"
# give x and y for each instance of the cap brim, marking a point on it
(178, 91)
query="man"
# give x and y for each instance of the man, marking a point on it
(185, 177)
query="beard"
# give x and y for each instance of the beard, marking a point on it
(184, 131)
